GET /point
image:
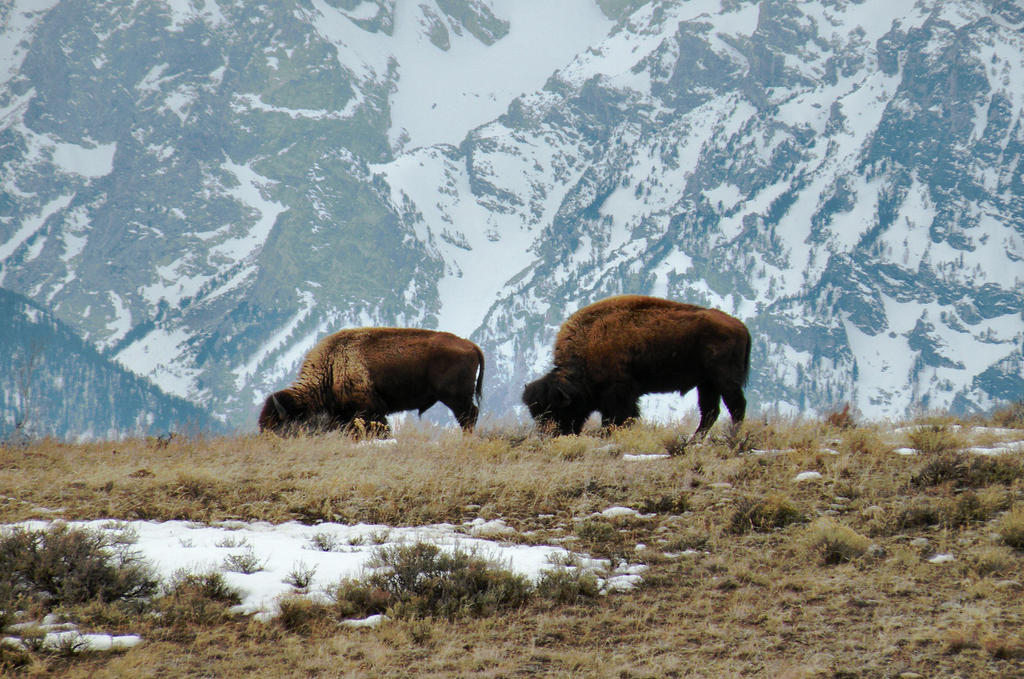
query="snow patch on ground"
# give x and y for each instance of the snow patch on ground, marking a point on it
(331, 551)
(59, 636)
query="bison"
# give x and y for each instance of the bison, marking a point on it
(607, 355)
(367, 373)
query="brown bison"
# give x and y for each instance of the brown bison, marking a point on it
(609, 354)
(368, 373)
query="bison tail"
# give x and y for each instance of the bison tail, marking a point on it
(480, 378)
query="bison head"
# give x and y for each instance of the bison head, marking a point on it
(289, 412)
(556, 400)
(281, 411)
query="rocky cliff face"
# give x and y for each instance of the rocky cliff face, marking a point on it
(201, 190)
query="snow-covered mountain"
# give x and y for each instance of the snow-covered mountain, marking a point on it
(201, 189)
(54, 384)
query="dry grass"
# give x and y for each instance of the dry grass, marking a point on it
(1011, 528)
(752, 573)
(834, 543)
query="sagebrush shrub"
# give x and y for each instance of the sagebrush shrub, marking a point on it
(244, 562)
(357, 599)
(935, 438)
(764, 514)
(567, 585)
(994, 561)
(939, 469)
(8, 600)
(1011, 415)
(1003, 648)
(301, 614)
(421, 580)
(966, 470)
(300, 576)
(325, 542)
(209, 585)
(65, 566)
(665, 504)
(918, 513)
(951, 512)
(968, 507)
(596, 530)
(196, 599)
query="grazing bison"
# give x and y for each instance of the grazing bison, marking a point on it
(368, 373)
(609, 354)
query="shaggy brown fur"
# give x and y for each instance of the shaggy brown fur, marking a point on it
(368, 373)
(612, 352)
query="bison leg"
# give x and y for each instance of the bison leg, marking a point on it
(618, 412)
(707, 401)
(573, 425)
(465, 412)
(565, 424)
(736, 404)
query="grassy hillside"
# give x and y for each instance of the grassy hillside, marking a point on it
(788, 549)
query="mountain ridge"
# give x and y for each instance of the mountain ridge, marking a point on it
(53, 384)
(847, 179)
